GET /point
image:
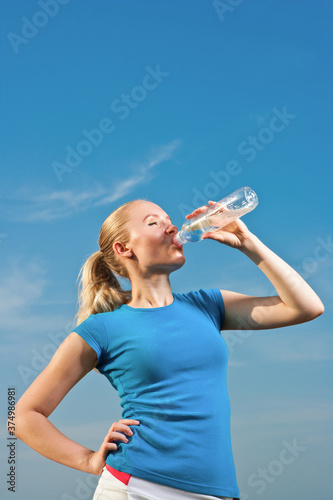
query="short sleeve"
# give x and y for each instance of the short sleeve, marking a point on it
(92, 330)
(212, 302)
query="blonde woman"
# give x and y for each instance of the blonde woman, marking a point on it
(164, 354)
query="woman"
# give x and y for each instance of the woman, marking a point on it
(164, 353)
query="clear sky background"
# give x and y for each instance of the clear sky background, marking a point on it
(193, 99)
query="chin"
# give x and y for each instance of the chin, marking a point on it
(180, 263)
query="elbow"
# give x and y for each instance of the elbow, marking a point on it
(314, 312)
(12, 420)
(319, 311)
(15, 423)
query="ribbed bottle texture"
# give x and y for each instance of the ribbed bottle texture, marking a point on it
(220, 214)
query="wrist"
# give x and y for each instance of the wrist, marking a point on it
(252, 247)
(86, 463)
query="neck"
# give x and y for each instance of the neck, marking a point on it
(154, 291)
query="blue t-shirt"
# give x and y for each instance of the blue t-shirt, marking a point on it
(169, 366)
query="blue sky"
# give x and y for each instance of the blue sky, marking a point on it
(177, 102)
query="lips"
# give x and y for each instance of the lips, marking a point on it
(176, 243)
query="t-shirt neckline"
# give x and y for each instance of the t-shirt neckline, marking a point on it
(149, 308)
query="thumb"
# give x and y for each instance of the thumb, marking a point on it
(209, 235)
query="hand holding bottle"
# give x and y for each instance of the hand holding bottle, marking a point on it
(221, 219)
(233, 234)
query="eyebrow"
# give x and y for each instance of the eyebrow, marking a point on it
(155, 215)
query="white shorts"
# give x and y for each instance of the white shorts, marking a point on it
(111, 488)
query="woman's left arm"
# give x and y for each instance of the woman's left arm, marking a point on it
(295, 303)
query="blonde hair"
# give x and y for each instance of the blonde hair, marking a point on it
(99, 288)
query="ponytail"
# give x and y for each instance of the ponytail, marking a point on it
(99, 289)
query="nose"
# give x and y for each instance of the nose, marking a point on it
(172, 229)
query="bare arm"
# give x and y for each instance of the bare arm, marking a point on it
(71, 362)
(296, 302)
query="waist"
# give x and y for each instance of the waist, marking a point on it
(124, 477)
(143, 487)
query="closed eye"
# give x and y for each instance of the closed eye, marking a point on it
(151, 223)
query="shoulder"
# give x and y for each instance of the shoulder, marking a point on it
(92, 327)
(93, 331)
(203, 296)
(208, 301)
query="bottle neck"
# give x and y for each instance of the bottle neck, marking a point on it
(179, 238)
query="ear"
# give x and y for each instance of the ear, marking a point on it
(122, 250)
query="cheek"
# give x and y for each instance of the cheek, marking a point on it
(148, 244)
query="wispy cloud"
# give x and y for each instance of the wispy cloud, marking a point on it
(22, 305)
(17, 289)
(142, 172)
(51, 205)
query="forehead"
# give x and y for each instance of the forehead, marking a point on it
(143, 208)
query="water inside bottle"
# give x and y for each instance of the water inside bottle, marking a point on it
(218, 219)
(221, 214)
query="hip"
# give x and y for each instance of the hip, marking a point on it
(109, 487)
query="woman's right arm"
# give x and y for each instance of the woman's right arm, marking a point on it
(71, 362)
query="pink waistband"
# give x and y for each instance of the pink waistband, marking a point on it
(124, 477)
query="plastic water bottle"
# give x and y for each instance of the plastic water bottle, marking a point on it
(218, 215)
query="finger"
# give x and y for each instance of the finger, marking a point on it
(109, 446)
(117, 431)
(115, 436)
(207, 236)
(216, 235)
(197, 211)
(129, 421)
(124, 421)
(122, 427)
